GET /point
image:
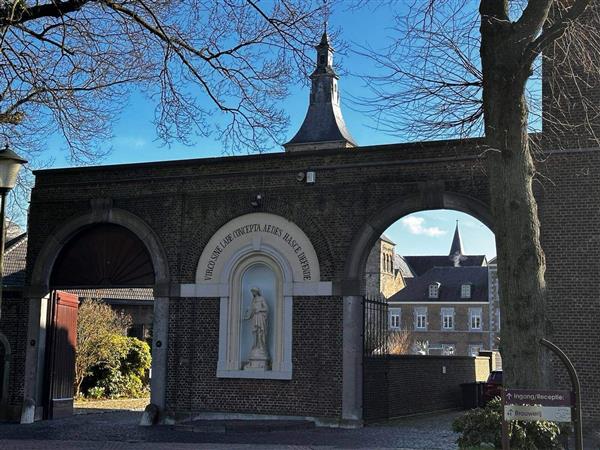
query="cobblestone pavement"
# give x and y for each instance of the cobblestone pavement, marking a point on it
(119, 430)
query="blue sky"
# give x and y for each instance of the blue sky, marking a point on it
(135, 138)
(431, 232)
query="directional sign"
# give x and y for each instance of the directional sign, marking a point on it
(537, 397)
(532, 413)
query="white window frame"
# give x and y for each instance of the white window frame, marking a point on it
(472, 347)
(465, 291)
(421, 312)
(395, 318)
(434, 290)
(447, 313)
(475, 313)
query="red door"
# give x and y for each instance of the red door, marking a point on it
(61, 343)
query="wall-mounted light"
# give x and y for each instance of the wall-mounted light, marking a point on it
(311, 177)
(257, 201)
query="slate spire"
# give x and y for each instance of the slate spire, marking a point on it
(323, 126)
(456, 247)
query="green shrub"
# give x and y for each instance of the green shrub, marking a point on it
(124, 373)
(95, 393)
(482, 427)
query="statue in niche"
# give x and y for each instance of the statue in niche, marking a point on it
(258, 313)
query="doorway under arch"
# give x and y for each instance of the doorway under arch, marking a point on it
(95, 252)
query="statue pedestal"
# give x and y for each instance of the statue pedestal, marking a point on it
(258, 360)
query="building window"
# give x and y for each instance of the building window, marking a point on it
(395, 319)
(434, 290)
(474, 349)
(421, 318)
(448, 349)
(475, 318)
(447, 318)
(465, 291)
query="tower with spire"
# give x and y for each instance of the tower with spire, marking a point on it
(323, 126)
(456, 249)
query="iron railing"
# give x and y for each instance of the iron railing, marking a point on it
(375, 333)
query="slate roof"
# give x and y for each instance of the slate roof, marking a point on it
(451, 280)
(401, 264)
(324, 121)
(15, 256)
(422, 264)
(145, 294)
(456, 246)
(385, 238)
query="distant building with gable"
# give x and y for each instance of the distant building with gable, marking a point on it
(450, 305)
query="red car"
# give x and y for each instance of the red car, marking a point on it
(493, 386)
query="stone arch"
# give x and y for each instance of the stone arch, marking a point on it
(372, 229)
(39, 287)
(45, 260)
(253, 232)
(352, 283)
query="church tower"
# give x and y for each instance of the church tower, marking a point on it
(456, 249)
(323, 126)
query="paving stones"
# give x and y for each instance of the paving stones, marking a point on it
(116, 430)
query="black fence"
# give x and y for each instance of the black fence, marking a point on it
(375, 333)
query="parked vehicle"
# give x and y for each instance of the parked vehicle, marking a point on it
(493, 386)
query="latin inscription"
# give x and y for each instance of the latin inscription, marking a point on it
(286, 237)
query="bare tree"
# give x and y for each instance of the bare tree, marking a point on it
(217, 67)
(458, 71)
(399, 342)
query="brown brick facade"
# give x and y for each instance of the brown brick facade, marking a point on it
(461, 337)
(185, 202)
(13, 325)
(314, 391)
(394, 385)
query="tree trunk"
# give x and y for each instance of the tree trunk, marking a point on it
(521, 262)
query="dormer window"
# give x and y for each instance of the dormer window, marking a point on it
(465, 291)
(434, 290)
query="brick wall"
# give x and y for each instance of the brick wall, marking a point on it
(186, 202)
(394, 385)
(13, 325)
(313, 391)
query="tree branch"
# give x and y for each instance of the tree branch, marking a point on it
(22, 13)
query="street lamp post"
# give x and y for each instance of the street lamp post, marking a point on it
(10, 164)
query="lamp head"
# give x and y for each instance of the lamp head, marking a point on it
(10, 164)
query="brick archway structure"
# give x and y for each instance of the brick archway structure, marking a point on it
(356, 194)
(352, 285)
(39, 288)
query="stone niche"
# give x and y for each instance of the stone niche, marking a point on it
(256, 264)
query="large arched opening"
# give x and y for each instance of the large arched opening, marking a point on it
(100, 255)
(356, 280)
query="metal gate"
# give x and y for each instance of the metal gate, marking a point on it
(375, 352)
(60, 355)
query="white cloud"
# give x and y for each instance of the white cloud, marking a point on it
(130, 141)
(414, 224)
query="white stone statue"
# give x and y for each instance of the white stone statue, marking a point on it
(258, 313)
